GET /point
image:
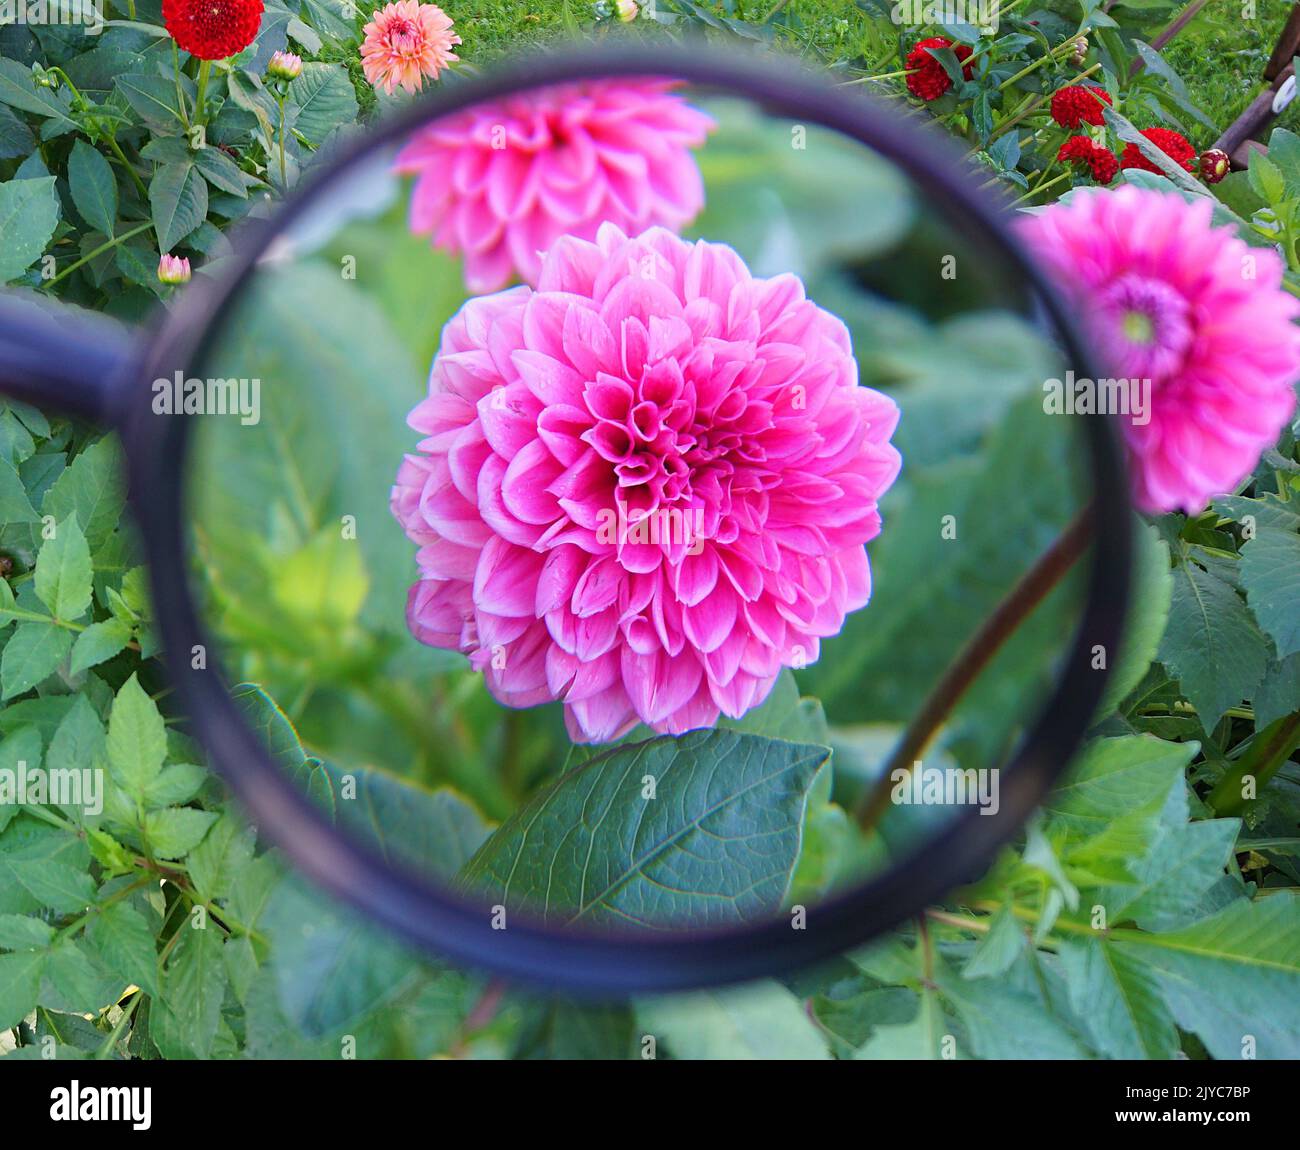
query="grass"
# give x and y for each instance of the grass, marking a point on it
(1220, 55)
(1222, 58)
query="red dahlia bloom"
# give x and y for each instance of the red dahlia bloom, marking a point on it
(1079, 104)
(928, 79)
(1101, 162)
(212, 29)
(1173, 144)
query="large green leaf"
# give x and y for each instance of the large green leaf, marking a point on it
(325, 99)
(63, 572)
(1117, 997)
(32, 655)
(595, 848)
(29, 211)
(20, 983)
(1270, 574)
(93, 186)
(178, 198)
(1212, 643)
(137, 738)
(18, 89)
(1232, 977)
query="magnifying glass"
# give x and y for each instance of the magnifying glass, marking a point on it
(582, 518)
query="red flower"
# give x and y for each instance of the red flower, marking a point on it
(212, 29)
(1173, 144)
(928, 80)
(1079, 104)
(1101, 162)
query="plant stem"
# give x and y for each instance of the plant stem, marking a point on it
(1261, 764)
(135, 176)
(180, 91)
(284, 181)
(99, 251)
(1029, 195)
(1016, 606)
(106, 1050)
(201, 95)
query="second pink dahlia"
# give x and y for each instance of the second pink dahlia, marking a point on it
(501, 182)
(1189, 307)
(406, 41)
(645, 487)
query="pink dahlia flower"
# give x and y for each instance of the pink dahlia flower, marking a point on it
(404, 43)
(645, 486)
(1194, 310)
(501, 182)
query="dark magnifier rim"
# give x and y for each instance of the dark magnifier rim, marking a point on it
(580, 961)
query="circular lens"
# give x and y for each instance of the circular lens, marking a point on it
(598, 498)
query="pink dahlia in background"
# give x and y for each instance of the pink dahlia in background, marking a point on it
(645, 486)
(404, 43)
(501, 182)
(1190, 307)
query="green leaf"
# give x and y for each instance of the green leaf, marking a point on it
(1118, 1000)
(97, 643)
(1002, 1021)
(330, 967)
(172, 834)
(921, 1039)
(1117, 777)
(761, 1020)
(593, 848)
(93, 187)
(15, 506)
(32, 656)
(92, 489)
(81, 980)
(220, 171)
(1232, 976)
(20, 982)
(555, 1030)
(137, 739)
(1212, 643)
(54, 884)
(178, 198)
(999, 948)
(224, 852)
(153, 98)
(16, 138)
(23, 932)
(1270, 574)
(1172, 880)
(63, 572)
(325, 99)
(20, 750)
(125, 944)
(29, 211)
(175, 785)
(194, 984)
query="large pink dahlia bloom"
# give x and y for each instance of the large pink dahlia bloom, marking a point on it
(501, 182)
(645, 486)
(1196, 311)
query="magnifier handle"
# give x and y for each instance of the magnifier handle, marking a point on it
(62, 358)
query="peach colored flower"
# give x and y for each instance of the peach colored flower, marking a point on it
(405, 42)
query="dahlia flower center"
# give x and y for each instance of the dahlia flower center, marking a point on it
(403, 36)
(1149, 325)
